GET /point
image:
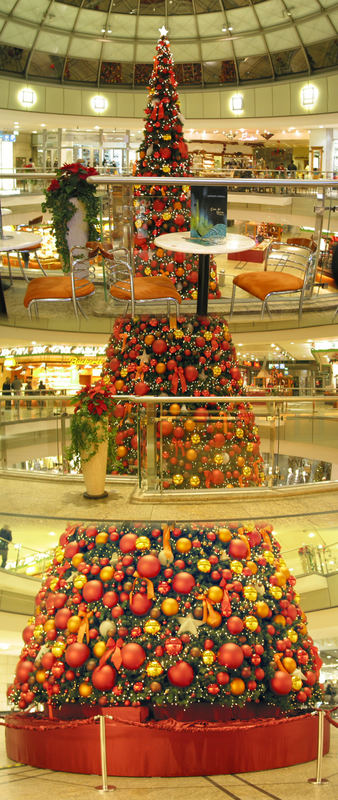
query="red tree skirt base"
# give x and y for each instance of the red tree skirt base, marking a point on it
(164, 748)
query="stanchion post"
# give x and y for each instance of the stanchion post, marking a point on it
(318, 779)
(103, 755)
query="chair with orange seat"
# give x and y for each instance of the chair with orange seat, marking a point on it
(124, 286)
(274, 281)
(73, 287)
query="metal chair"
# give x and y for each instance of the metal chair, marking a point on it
(274, 281)
(73, 287)
(124, 286)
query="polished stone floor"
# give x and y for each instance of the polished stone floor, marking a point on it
(19, 782)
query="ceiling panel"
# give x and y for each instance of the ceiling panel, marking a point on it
(242, 19)
(52, 42)
(249, 47)
(118, 51)
(283, 39)
(34, 10)
(272, 12)
(210, 24)
(214, 50)
(315, 32)
(14, 32)
(84, 48)
(182, 27)
(91, 22)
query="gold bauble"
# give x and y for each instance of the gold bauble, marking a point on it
(247, 471)
(278, 619)
(57, 650)
(216, 371)
(224, 534)
(218, 459)
(269, 556)
(40, 676)
(276, 592)
(195, 439)
(250, 593)
(262, 609)
(183, 545)
(251, 622)
(203, 565)
(38, 632)
(249, 447)
(174, 409)
(138, 223)
(194, 481)
(208, 336)
(190, 426)
(169, 607)
(166, 215)
(106, 573)
(239, 433)
(215, 594)
(79, 581)
(178, 479)
(85, 689)
(236, 567)
(53, 584)
(73, 623)
(178, 333)
(101, 538)
(49, 625)
(290, 664)
(292, 635)
(208, 657)
(194, 294)
(142, 543)
(191, 454)
(296, 598)
(76, 560)
(123, 372)
(99, 648)
(297, 683)
(255, 430)
(152, 627)
(147, 270)
(154, 668)
(60, 556)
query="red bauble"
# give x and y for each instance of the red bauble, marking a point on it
(222, 678)
(193, 276)
(281, 683)
(212, 688)
(59, 600)
(148, 566)
(217, 477)
(183, 582)
(235, 625)
(110, 599)
(230, 655)
(62, 617)
(23, 670)
(103, 678)
(166, 427)
(310, 677)
(132, 655)
(219, 439)
(141, 388)
(128, 542)
(173, 646)
(191, 373)
(71, 549)
(47, 660)
(76, 654)
(181, 674)
(92, 591)
(179, 432)
(235, 373)
(140, 604)
(159, 346)
(238, 548)
(27, 633)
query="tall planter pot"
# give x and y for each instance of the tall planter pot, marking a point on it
(94, 469)
(77, 227)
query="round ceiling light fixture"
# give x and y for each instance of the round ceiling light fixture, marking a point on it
(99, 103)
(27, 97)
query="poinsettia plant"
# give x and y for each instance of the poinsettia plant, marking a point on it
(71, 182)
(92, 405)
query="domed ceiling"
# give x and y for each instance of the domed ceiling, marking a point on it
(214, 42)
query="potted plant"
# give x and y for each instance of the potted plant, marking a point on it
(75, 208)
(92, 430)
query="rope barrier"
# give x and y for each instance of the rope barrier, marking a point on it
(328, 713)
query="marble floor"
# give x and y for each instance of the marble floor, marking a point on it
(20, 782)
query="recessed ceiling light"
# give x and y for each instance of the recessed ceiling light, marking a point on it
(311, 535)
(43, 125)
(34, 131)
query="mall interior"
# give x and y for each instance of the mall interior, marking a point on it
(257, 92)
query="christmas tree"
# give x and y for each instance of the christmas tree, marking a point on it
(164, 209)
(145, 614)
(199, 446)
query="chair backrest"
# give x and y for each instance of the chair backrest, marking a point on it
(291, 257)
(302, 241)
(118, 268)
(82, 267)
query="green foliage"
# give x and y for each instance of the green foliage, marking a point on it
(71, 183)
(92, 423)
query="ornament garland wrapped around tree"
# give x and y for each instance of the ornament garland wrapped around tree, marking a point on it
(146, 614)
(204, 445)
(164, 209)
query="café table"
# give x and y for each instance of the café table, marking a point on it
(14, 242)
(182, 243)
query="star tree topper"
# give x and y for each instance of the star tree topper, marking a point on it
(189, 624)
(163, 31)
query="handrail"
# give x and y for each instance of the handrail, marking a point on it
(210, 399)
(189, 180)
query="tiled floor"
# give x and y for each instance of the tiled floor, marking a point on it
(18, 782)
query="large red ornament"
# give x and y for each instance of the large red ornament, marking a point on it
(103, 678)
(110, 599)
(140, 604)
(62, 617)
(173, 646)
(217, 477)
(191, 373)
(183, 582)
(238, 548)
(71, 549)
(230, 655)
(148, 566)
(281, 683)
(92, 591)
(76, 654)
(141, 388)
(23, 670)
(27, 633)
(235, 624)
(166, 427)
(181, 674)
(133, 656)
(128, 542)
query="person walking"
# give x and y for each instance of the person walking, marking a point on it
(28, 391)
(6, 391)
(5, 539)
(16, 387)
(41, 390)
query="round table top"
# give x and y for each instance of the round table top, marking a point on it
(18, 240)
(182, 243)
